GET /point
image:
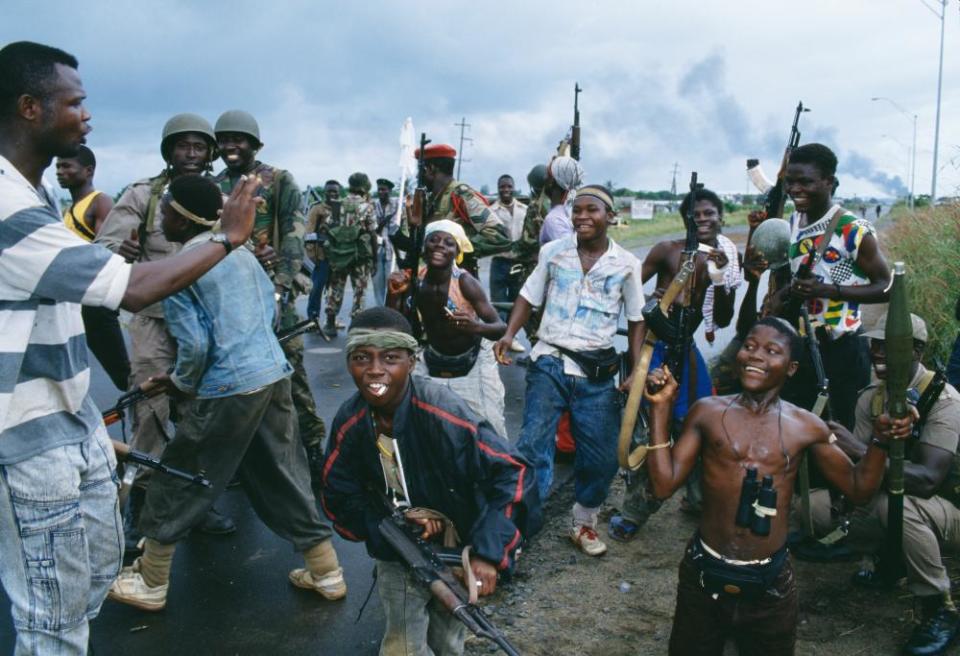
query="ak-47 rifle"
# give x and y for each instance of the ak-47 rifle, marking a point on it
(575, 128)
(305, 326)
(898, 344)
(675, 331)
(429, 568)
(141, 392)
(126, 454)
(775, 191)
(419, 212)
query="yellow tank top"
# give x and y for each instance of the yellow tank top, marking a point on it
(74, 215)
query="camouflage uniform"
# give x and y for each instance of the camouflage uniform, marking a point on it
(527, 250)
(459, 202)
(357, 210)
(279, 219)
(152, 351)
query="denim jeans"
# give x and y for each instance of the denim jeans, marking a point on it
(595, 421)
(321, 271)
(504, 288)
(416, 622)
(61, 543)
(380, 277)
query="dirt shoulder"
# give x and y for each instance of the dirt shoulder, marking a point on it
(562, 602)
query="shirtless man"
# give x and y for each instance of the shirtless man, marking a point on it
(459, 322)
(737, 582)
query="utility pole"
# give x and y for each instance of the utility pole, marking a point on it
(936, 130)
(673, 183)
(463, 125)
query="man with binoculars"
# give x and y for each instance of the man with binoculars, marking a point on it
(736, 579)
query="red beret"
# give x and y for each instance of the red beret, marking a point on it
(436, 150)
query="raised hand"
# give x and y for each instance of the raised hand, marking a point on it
(236, 218)
(130, 247)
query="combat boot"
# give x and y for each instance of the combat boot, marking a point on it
(330, 327)
(937, 630)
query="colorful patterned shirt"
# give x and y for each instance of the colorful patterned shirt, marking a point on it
(837, 266)
(581, 311)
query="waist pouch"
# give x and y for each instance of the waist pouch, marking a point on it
(746, 582)
(599, 365)
(440, 365)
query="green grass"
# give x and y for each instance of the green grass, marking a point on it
(636, 233)
(927, 241)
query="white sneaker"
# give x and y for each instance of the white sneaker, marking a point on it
(329, 586)
(587, 540)
(517, 347)
(130, 588)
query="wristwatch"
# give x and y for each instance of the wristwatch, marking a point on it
(221, 238)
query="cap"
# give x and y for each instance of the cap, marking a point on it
(383, 182)
(436, 150)
(919, 328)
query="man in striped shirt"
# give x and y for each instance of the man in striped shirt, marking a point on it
(60, 531)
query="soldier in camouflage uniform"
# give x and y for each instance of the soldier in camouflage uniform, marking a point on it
(132, 230)
(351, 249)
(527, 248)
(459, 202)
(279, 224)
(316, 217)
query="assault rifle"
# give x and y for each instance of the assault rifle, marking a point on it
(305, 326)
(141, 392)
(575, 128)
(678, 349)
(429, 568)
(775, 192)
(126, 454)
(418, 211)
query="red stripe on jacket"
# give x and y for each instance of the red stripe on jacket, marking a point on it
(506, 550)
(518, 493)
(347, 425)
(443, 414)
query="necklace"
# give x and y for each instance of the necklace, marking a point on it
(783, 448)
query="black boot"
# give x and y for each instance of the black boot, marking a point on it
(937, 631)
(213, 523)
(315, 462)
(330, 328)
(131, 517)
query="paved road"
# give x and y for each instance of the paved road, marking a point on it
(230, 595)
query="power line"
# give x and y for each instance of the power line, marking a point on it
(463, 125)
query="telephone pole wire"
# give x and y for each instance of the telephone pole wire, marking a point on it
(463, 125)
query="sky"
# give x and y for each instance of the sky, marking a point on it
(701, 84)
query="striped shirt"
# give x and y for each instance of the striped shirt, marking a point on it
(46, 273)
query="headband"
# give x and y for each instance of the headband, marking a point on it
(187, 214)
(598, 192)
(380, 338)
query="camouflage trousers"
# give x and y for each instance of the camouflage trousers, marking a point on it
(312, 429)
(337, 282)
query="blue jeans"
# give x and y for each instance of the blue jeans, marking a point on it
(321, 271)
(504, 288)
(380, 277)
(61, 543)
(595, 421)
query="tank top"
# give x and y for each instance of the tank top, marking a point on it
(455, 298)
(74, 215)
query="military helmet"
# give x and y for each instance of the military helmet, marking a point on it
(359, 181)
(537, 176)
(183, 123)
(771, 239)
(237, 120)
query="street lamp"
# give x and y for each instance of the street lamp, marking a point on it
(913, 154)
(942, 15)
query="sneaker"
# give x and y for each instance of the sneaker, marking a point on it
(517, 347)
(934, 635)
(330, 586)
(587, 540)
(130, 588)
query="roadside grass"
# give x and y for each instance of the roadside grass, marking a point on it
(928, 240)
(630, 233)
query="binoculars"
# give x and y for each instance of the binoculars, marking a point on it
(758, 503)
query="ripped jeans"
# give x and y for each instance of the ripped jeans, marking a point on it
(61, 543)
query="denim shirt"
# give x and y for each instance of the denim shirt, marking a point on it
(223, 324)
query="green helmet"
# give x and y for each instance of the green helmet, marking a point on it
(183, 123)
(359, 181)
(237, 120)
(537, 176)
